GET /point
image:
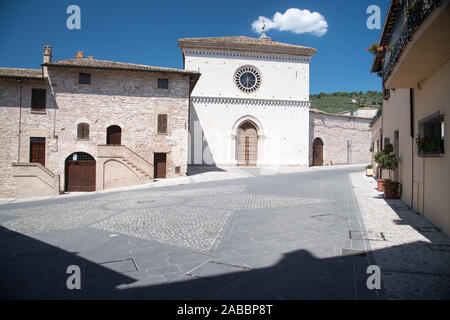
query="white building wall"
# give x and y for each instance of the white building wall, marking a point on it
(279, 107)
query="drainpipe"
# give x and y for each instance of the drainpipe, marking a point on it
(411, 123)
(20, 118)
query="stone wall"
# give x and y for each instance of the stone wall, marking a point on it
(129, 99)
(335, 131)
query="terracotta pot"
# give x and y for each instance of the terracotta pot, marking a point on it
(390, 192)
(380, 184)
(380, 51)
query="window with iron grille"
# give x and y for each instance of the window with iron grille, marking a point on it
(84, 78)
(83, 131)
(430, 141)
(163, 83)
(162, 123)
(38, 97)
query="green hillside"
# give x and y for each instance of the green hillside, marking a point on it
(341, 101)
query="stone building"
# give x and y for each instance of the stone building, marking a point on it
(84, 124)
(338, 139)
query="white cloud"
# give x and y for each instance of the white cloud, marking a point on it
(294, 20)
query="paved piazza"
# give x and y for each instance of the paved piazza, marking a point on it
(256, 234)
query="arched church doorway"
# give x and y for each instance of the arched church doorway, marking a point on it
(247, 148)
(318, 152)
(80, 172)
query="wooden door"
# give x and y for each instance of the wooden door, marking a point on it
(318, 152)
(80, 172)
(159, 164)
(247, 149)
(37, 150)
(114, 135)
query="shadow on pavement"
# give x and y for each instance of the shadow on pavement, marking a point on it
(31, 269)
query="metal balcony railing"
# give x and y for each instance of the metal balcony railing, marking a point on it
(409, 19)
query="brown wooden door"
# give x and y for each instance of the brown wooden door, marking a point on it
(247, 149)
(114, 135)
(37, 150)
(159, 164)
(318, 152)
(80, 173)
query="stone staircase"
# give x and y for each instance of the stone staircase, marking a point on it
(142, 168)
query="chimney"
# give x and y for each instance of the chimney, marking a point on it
(79, 55)
(47, 57)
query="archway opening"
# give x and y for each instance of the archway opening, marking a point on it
(80, 172)
(247, 147)
(318, 152)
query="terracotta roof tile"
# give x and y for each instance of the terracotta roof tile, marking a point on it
(21, 73)
(247, 44)
(111, 65)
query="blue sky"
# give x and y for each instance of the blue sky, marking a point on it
(146, 32)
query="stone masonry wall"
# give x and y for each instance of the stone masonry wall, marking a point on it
(334, 132)
(128, 99)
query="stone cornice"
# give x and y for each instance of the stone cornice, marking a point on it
(243, 54)
(249, 101)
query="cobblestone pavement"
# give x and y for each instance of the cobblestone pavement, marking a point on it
(259, 234)
(414, 256)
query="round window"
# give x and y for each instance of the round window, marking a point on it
(247, 79)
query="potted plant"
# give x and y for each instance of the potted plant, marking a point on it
(387, 160)
(392, 189)
(378, 159)
(369, 170)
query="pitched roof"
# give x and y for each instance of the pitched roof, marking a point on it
(21, 73)
(111, 65)
(247, 44)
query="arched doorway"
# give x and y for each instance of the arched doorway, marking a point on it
(114, 135)
(247, 147)
(318, 152)
(80, 172)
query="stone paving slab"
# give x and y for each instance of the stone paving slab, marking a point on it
(410, 268)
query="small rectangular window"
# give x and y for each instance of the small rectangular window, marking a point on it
(163, 83)
(84, 78)
(162, 123)
(83, 131)
(38, 97)
(431, 136)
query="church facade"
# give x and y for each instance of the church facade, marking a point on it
(251, 107)
(251, 104)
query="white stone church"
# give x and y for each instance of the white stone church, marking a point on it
(251, 107)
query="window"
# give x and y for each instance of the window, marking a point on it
(163, 83)
(162, 123)
(431, 136)
(84, 78)
(83, 131)
(38, 97)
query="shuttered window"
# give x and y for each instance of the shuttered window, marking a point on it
(38, 97)
(162, 123)
(83, 131)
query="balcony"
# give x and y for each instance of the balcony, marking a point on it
(420, 40)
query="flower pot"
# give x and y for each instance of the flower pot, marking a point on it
(380, 52)
(369, 172)
(380, 184)
(392, 191)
